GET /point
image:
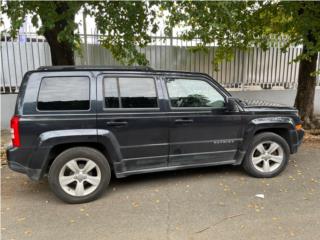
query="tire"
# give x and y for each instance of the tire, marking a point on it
(84, 185)
(266, 165)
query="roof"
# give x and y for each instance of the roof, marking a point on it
(121, 68)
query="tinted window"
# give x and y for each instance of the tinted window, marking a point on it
(193, 93)
(111, 93)
(64, 93)
(126, 92)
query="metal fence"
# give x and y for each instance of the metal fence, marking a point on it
(17, 56)
(250, 68)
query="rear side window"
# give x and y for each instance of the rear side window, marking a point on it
(125, 92)
(64, 93)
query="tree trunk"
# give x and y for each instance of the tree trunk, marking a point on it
(61, 51)
(306, 89)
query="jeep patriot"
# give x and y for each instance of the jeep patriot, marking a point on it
(78, 125)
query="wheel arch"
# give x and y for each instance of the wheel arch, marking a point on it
(58, 149)
(282, 126)
(282, 132)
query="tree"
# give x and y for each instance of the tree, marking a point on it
(240, 25)
(125, 25)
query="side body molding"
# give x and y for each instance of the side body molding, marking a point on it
(265, 123)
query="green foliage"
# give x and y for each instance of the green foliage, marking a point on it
(124, 25)
(228, 25)
(45, 16)
(241, 24)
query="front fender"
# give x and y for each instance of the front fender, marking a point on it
(258, 124)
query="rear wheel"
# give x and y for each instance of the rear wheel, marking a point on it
(79, 175)
(267, 155)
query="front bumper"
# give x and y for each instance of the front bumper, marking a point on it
(296, 137)
(18, 161)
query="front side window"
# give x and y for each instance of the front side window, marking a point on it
(126, 92)
(64, 93)
(186, 93)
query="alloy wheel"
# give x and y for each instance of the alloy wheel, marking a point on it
(267, 156)
(79, 177)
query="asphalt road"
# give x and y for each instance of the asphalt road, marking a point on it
(212, 203)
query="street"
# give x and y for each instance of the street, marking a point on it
(215, 202)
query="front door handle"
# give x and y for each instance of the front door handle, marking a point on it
(117, 123)
(183, 120)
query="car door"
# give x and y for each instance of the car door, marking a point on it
(202, 131)
(130, 108)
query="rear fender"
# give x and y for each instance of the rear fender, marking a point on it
(47, 140)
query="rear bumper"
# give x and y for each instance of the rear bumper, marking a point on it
(34, 174)
(18, 160)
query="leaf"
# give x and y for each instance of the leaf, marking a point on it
(28, 232)
(21, 219)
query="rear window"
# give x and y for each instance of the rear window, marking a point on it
(125, 92)
(64, 93)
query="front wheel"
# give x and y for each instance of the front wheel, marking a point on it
(79, 175)
(267, 155)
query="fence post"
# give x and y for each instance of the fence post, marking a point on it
(244, 66)
(85, 53)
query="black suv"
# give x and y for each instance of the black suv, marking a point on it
(77, 125)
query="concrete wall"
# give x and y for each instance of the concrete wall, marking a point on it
(279, 96)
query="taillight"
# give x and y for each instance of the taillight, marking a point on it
(15, 131)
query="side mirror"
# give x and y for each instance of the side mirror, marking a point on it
(231, 104)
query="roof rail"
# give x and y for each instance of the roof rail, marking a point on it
(87, 67)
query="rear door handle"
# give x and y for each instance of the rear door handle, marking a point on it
(183, 120)
(117, 123)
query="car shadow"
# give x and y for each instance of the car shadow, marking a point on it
(175, 175)
(42, 190)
